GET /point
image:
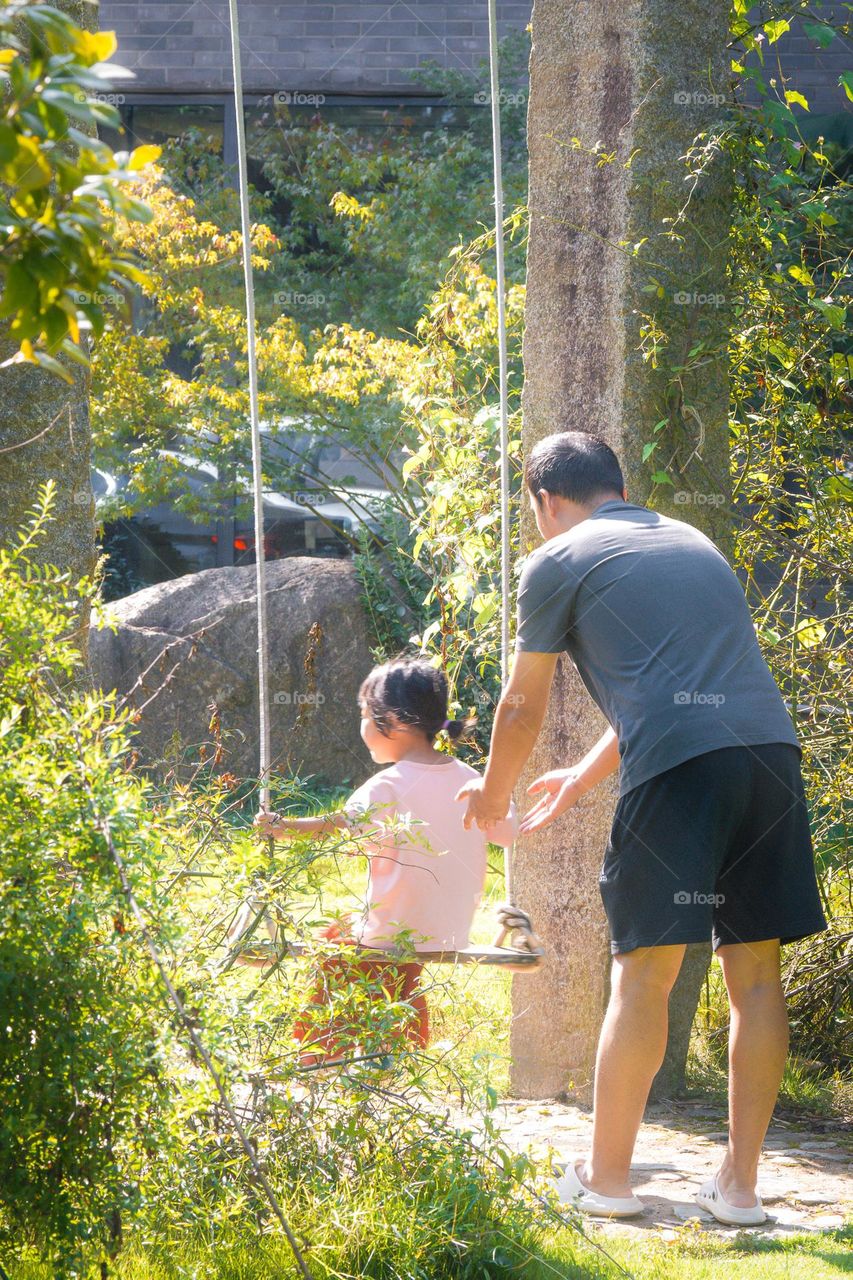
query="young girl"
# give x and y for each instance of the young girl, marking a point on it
(426, 872)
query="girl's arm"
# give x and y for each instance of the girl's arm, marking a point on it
(281, 828)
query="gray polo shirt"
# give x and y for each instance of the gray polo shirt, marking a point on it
(659, 629)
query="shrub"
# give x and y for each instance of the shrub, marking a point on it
(80, 1041)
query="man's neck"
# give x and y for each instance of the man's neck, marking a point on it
(575, 514)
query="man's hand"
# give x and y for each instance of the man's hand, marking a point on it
(562, 791)
(482, 808)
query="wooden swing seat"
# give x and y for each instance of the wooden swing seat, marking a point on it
(245, 947)
(262, 953)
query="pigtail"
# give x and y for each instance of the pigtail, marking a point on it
(457, 729)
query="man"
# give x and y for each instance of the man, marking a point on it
(710, 834)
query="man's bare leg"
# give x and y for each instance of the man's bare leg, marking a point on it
(631, 1049)
(758, 1048)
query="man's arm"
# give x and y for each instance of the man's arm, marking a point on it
(518, 721)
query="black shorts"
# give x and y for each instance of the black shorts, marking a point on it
(718, 846)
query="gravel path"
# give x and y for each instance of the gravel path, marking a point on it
(805, 1177)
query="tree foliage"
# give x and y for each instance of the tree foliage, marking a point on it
(63, 191)
(353, 226)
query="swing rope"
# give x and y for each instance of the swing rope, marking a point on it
(512, 921)
(257, 459)
(525, 951)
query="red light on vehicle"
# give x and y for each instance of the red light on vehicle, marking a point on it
(214, 537)
(240, 544)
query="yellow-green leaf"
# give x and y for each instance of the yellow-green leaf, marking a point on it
(791, 95)
(811, 632)
(773, 30)
(141, 156)
(29, 169)
(801, 275)
(99, 46)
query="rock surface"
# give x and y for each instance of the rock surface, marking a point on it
(195, 640)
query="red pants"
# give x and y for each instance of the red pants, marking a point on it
(389, 980)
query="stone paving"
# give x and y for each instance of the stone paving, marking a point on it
(805, 1177)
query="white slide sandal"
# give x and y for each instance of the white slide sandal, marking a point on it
(572, 1191)
(710, 1197)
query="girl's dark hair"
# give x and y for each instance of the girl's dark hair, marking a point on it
(409, 691)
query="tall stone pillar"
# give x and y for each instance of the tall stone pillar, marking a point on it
(618, 92)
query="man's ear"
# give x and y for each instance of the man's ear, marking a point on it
(625, 494)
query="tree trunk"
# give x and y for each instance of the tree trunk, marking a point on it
(45, 435)
(642, 80)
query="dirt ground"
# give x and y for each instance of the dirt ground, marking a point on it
(805, 1176)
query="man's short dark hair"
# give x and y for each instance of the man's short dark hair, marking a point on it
(574, 464)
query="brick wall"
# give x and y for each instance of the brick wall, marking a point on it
(176, 45)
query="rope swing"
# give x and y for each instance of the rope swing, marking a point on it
(524, 951)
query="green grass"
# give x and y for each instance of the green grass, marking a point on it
(694, 1255)
(560, 1256)
(805, 1092)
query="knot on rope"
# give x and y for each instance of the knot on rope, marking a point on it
(517, 924)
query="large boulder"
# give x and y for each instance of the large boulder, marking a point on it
(184, 648)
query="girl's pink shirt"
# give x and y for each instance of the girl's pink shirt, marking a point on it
(426, 871)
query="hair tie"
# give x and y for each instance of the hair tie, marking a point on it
(446, 724)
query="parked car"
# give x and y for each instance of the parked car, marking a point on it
(160, 543)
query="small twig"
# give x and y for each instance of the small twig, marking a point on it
(9, 448)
